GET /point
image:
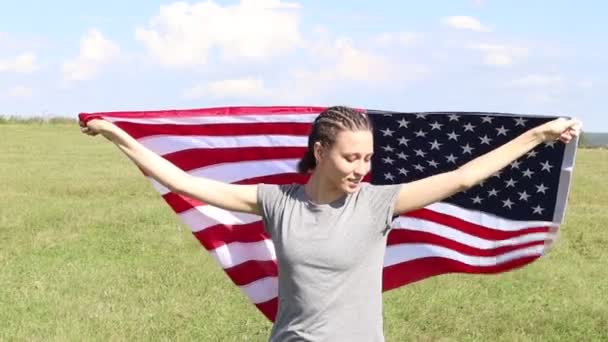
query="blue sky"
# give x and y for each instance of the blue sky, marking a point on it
(539, 57)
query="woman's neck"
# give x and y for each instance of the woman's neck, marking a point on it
(320, 190)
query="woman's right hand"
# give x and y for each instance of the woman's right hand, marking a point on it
(560, 129)
(94, 127)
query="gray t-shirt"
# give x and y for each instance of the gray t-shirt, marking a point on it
(330, 260)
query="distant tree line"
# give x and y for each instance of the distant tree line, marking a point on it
(593, 140)
(8, 119)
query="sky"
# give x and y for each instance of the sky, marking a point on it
(60, 58)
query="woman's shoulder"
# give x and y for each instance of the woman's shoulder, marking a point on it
(287, 187)
(378, 191)
(279, 190)
(370, 187)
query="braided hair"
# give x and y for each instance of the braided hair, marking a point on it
(327, 125)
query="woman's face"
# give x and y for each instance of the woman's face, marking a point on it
(348, 160)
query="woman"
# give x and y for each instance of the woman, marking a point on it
(330, 234)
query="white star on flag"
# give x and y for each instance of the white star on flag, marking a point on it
(403, 123)
(502, 131)
(477, 200)
(520, 122)
(402, 155)
(453, 117)
(467, 149)
(507, 203)
(546, 166)
(523, 196)
(541, 188)
(492, 192)
(436, 125)
(388, 160)
(468, 127)
(451, 158)
(453, 136)
(485, 140)
(435, 145)
(528, 173)
(387, 132)
(538, 209)
(420, 133)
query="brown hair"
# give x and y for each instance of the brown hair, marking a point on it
(327, 125)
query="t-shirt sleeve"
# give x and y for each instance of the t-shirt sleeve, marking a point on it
(269, 199)
(382, 200)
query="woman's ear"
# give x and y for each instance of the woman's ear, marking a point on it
(318, 151)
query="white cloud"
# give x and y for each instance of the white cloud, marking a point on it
(358, 65)
(338, 64)
(20, 92)
(500, 55)
(398, 38)
(465, 23)
(234, 88)
(183, 34)
(331, 65)
(95, 51)
(342, 60)
(23, 63)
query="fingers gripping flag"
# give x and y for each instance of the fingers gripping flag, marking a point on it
(505, 222)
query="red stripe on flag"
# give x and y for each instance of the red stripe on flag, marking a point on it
(196, 158)
(251, 271)
(219, 235)
(180, 203)
(411, 271)
(483, 232)
(404, 236)
(139, 130)
(269, 308)
(216, 111)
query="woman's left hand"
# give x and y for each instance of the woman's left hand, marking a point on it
(560, 129)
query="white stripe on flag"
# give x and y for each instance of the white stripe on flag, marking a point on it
(204, 216)
(486, 220)
(397, 254)
(238, 171)
(262, 290)
(236, 253)
(464, 238)
(219, 119)
(165, 144)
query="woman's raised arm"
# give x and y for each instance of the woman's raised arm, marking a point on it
(242, 198)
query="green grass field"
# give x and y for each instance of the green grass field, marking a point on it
(89, 251)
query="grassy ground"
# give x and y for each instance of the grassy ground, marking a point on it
(88, 251)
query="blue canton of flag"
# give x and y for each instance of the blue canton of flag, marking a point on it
(410, 146)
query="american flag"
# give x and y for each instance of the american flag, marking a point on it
(509, 220)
